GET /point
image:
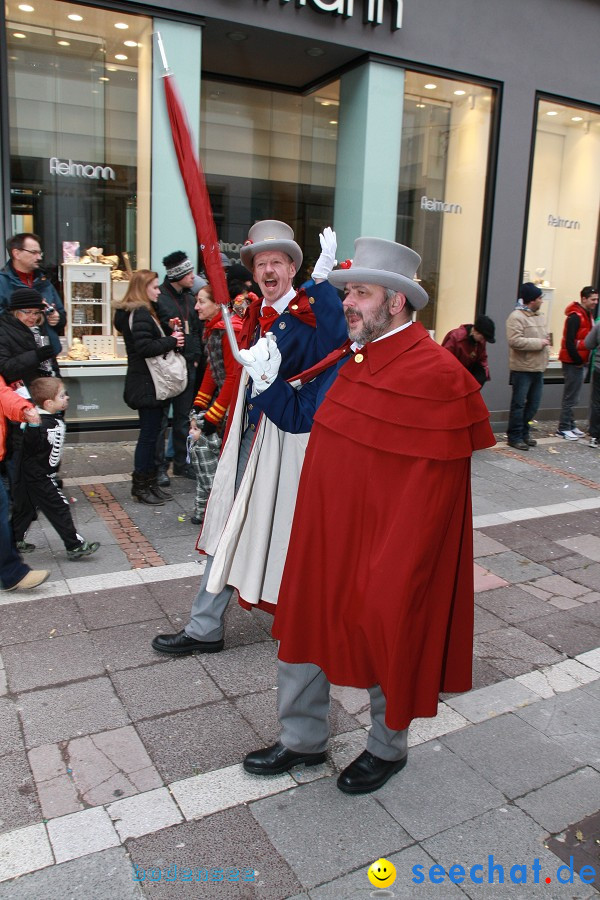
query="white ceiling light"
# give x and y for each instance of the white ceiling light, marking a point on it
(460, 93)
(552, 112)
(75, 18)
(25, 7)
(19, 34)
(430, 86)
(420, 105)
(63, 43)
(130, 43)
(103, 78)
(121, 56)
(122, 25)
(577, 119)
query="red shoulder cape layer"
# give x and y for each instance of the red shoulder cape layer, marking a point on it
(378, 581)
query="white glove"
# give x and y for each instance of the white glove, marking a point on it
(262, 363)
(326, 260)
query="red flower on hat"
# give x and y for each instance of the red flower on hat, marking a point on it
(246, 243)
(347, 264)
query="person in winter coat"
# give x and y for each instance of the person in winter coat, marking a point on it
(14, 573)
(136, 319)
(574, 357)
(468, 343)
(23, 270)
(25, 352)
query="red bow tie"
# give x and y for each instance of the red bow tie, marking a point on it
(267, 316)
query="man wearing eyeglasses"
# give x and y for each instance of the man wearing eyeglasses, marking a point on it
(23, 270)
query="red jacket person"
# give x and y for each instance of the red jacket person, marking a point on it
(377, 589)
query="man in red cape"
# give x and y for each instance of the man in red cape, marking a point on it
(377, 590)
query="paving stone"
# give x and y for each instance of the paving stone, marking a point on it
(512, 604)
(585, 544)
(513, 567)
(221, 789)
(564, 631)
(244, 627)
(128, 646)
(446, 720)
(484, 620)
(559, 586)
(118, 606)
(81, 833)
(9, 727)
(514, 758)
(484, 580)
(24, 850)
(564, 801)
(283, 817)
(260, 710)
(101, 876)
(563, 603)
(455, 793)
(37, 619)
(18, 799)
(510, 837)
(492, 700)
(484, 545)
(47, 662)
(197, 740)
(354, 700)
(591, 659)
(512, 651)
(259, 660)
(227, 840)
(164, 688)
(144, 814)
(566, 715)
(588, 575)
(175, 597)
(564, 676)
(57, 714)
(484, 674)
(543, 550)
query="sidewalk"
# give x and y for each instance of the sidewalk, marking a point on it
(117, 760)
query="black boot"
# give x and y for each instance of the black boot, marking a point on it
(140, 490)
(155, 489)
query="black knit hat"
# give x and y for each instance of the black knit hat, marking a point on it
(530, 292)
(26, 298)
(485, 326)
(177, 265)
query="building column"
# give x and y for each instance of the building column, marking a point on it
(368, 154)
(172, 226)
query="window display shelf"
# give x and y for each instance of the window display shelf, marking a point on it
(87, 293)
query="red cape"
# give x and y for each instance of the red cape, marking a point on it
(378, 581)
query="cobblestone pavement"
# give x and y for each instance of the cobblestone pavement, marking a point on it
(120, 773)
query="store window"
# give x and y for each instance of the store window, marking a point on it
(79, 92)
(564, 204)
(442, 191)
(269, 154)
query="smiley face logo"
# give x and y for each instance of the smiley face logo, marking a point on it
(382, 873)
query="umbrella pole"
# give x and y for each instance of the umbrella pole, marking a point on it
(231, 334)
(162, 53)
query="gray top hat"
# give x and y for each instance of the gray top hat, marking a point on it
(270, 234)
(391, 265)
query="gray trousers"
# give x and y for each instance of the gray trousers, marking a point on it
(574, 376)
(208, 610)
(303, 708)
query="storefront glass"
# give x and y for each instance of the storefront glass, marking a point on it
(564, 204)
(269, 155)
(443, 172)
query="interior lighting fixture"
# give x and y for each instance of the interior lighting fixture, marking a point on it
(121, 25)
(74, 17)
(103, 78)
(430, 86)
(237, 36)
(130, 43)
(333, 121)
(111, 69)
(577, 119)
(460, 93)
(19, 34)
(552, 112)
(64, 43)
(315, 52)
(420, 105)
(25, 7)
(121, 56)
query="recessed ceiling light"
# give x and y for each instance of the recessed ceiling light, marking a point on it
(420, 105)
(315, 52)
(18, 34)
(552, 112)
(122, 25)
(430, 86)
(25, 7)
(121, 56)
(103, 78)
(130, 43)
(13, 58)
(75, 18)
(333, 121)
(460, 93)
(237, 36)
(577, 119)
(64, 43)
(111, 69)
(325, 103)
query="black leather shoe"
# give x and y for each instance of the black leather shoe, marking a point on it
(181, 644)
(368, 773)
(531, 442)
(518, 445)
(277, 759)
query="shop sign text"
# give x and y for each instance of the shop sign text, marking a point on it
(80, 170)
(440, 206)
(558, 222)
(372, 9)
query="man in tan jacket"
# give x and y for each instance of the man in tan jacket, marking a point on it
(528, 357)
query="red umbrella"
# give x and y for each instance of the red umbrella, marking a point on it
(196, 190)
